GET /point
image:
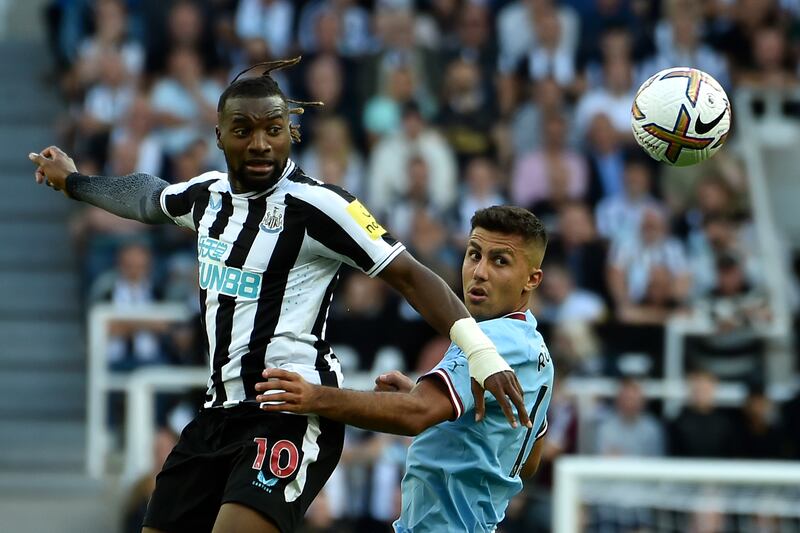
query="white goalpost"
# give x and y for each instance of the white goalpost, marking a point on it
(660, 495)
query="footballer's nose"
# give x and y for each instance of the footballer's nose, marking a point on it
(481, 270)
(260, 143)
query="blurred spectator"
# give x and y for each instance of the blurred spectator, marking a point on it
(428, 242)
(632, 261)
(332, 142)
(678, 43)
(619, 216)
(106, 104)
(467, 113)
(616, 44)
(739, 314)
(417, 198)
(388, 179)
(533, 173)
(630, 431)
(345, 19)
(481, 189)
(563, 302)
(181, 24)
(325, 80)
(578, 246)
(613, 98)
(545, 98)
(139, 494)
(760, 434)
(436, 24)
(552, 57)
(185, 102)
(701, 429)
(734, 304)
(658, 303)
(131, 284)
(600, 16)
(382, 113)
(721, 236)
(605, 155)
(362, 297)
(576, 347)
(736, 36)
(517, 29)
(135, 132)
(713, 196)
(399, 48)
(270, 20)
(110, 36)
(474, 40)
(774, 66)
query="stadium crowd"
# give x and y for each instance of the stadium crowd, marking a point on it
(434, 109)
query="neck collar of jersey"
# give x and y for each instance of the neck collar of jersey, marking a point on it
(516, 315)
(287, 171)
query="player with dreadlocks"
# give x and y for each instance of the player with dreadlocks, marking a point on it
(270, 244)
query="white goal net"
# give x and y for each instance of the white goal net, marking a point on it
(608, 495)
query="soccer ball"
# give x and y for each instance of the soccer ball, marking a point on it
(681, 116)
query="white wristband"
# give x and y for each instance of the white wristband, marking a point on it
(481, 353)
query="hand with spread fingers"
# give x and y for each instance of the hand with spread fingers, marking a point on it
(52, 167)
(292, 393)
(503, 386)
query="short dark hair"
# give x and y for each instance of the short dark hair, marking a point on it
(512, 220)
(259, 87)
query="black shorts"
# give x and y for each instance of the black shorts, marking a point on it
(273, 463)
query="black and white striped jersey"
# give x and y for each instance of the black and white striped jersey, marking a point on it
(269, 263)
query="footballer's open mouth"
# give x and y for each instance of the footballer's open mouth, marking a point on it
(260, 166)
(477, 295)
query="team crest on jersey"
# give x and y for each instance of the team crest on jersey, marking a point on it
(273, 219)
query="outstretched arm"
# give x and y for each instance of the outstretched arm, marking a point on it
(442, 309)
(401, 413)
(135, 196)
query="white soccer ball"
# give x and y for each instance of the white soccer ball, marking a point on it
(681, 116)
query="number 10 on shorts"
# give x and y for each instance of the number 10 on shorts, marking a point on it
(283, 451)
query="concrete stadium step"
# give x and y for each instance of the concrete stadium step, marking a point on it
(68, 507)
(42, 293)
(49, 392)
(36, 55)
(55, 444)
(29, 344)
(33, 206)
(41, 243)
(20, 139)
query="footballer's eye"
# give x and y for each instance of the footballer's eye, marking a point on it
(474, 255)
(500, 260)
(274, 130)
(240, 132)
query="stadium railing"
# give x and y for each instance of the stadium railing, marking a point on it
(740, 490)
(141, 385)
(102, 381)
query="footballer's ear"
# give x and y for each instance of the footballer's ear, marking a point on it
(534, 279)
(219, 138)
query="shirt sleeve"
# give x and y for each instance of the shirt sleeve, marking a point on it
(178, 201)
(342, 228)
(454, 372)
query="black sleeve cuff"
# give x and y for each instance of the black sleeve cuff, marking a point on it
(72, 181)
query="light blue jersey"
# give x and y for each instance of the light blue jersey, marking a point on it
(460, 475)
